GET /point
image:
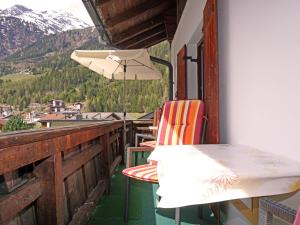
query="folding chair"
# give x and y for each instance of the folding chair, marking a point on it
(181, 124)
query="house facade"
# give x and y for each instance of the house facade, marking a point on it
(258, 75)
(56, 106)
(239, 57)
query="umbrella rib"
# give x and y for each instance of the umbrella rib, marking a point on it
(142, 64)
(117, 67)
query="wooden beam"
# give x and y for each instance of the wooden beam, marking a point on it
(137, 11)
(150, 42)
(14, 157)
(12, 204)
(106, 160)
(136, 30)
(180, 7)
(101, 3)
(242, 208)
(51, 204)
(77, 161)
(171, 23)
(144, 36)
(24, 137)
(255, 210)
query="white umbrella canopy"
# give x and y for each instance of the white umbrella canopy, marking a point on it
(119, 64)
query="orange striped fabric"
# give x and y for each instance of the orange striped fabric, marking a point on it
(150, 144)
(145, 172)
(180, 124)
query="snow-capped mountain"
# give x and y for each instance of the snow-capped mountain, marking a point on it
(21, 27)
(50, 22)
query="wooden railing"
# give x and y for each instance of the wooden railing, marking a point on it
(55, 176)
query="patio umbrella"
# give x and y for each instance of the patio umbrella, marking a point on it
(119, 65)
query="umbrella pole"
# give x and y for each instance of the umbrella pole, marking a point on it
(124, 110)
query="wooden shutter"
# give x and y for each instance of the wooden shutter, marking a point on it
(181, 74)
(211, 73)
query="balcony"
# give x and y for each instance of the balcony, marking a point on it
(71, 175)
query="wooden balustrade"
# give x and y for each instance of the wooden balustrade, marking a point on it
(55, 176)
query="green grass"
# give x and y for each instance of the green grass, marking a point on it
(18, 77)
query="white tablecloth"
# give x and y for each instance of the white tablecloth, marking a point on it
(199, 174)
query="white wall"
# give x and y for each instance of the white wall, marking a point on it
(259, 53)
(189, 32)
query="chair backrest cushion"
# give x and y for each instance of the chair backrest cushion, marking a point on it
(181, 123)
(156, 119)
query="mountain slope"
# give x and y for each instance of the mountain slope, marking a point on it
(61, 78)
(20, 27)
(48, 48)
(50, 22)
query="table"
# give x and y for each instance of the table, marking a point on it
(200, 174)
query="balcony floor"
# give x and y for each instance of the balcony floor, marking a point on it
(109, 210)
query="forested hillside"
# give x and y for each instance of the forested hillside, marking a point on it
(58, 77)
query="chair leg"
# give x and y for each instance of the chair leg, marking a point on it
(177, 216)
(136, 158)
(126, 202)
(200, 211)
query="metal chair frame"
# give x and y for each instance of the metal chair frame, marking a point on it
(130, 151)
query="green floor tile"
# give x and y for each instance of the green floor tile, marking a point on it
(109, 210)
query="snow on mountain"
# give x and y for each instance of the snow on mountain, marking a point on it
(50, 22)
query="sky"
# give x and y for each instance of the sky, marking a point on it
(75, 7)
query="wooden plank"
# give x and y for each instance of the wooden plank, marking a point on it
(113, 138)
(211, 75)
(137, 30)
(138, 10)
(98, 166)
(180, 7)
(145, 36)
(101, 3)
(90, 175)
(115, 163)
(12, 204)
(25, 137)
(106, 160)
(51, 204)
(75, 191)
(15, 221)
(244, 210)
(255, 210)
(182, 74)
(150, 42)
(170, 23)
(28, 217)
(81, 217)
(148, 122)
(14, 157)
(67, 217)
(77, 161)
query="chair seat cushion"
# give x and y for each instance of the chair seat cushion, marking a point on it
(150, 144)
(146, 172)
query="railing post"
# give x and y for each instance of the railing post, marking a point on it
(106, 157)
(50, 206)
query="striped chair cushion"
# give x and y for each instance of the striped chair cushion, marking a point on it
(145, 172)
(181, 123)
(150, 144)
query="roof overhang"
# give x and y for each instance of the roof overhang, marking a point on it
(131, 24)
